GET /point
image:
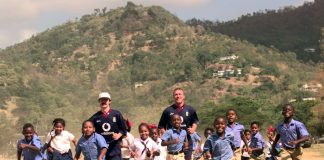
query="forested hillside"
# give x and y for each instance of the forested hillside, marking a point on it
(139, 54)
(288, 29)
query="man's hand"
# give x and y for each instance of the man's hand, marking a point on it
(116, 136)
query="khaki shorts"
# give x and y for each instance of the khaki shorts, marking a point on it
(179, 156)
(295, 154)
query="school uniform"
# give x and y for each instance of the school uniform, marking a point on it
(106, 125)
(28, 153)
(194, 144)
(257, 141)
(141, 147)
(236, 129)
(245, 154)
(127, 141)
(175, 151)
(163, 150)
(91, 147)
(291, 132)
(220, 147)
(61, 145)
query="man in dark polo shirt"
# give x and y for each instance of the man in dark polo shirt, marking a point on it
(188, 116)
(110, 124)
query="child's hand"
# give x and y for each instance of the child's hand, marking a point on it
(148, 153)
(175, 141)
(50, 149)
(293, 143)
(207, 155)
(116, 136)
(23, 146)
(132, 154)
(249, 150)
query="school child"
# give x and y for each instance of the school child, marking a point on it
(291, 134)
(237, 129)
(245, 154)
(194, 145)
(207, 132)
(257, 143)
(156, 138)
(175, 139)
(58, 142)
(127, 141)
(92, 145)
(29, 147)
(144, 148)
(271, 132)
(219, 145)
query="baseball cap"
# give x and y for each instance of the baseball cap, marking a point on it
(104, 95)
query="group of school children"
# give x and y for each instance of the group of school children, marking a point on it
(227, 141)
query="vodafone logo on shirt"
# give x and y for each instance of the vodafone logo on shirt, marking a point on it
(106, 127)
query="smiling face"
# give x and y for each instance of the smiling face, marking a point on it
(288, 111)
(155, 134)
(220, 125)
(58, 128)
(144, 132)
(176, 121)
(254, 128)
(88, 129)
(231, 116)
(178, 97)
(28, 133)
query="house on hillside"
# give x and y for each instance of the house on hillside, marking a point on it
(232, 57)
(311, 87)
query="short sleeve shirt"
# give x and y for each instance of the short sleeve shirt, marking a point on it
(114, 123)
(220, 147)
(236, 129)
(91, 147)
(140, 148)
(28, 153)
(194, 141)
(61, 142)
(172, 134)
(257, 141)
(291, 132)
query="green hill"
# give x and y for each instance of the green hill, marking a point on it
(139, 54)
(289, 29)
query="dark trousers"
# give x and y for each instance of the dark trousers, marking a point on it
(58, 156)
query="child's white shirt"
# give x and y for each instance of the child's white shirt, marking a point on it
(61, 142)
(163, 151)
(138, 146)
(242, 147)
(127, 141)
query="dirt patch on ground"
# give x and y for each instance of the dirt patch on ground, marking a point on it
(316, 152)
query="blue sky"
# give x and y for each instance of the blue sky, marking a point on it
(20, 19)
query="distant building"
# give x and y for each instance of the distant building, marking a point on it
(232, 57)
(311, 87)
(309, 99)
(137, 85)
(310, 50)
